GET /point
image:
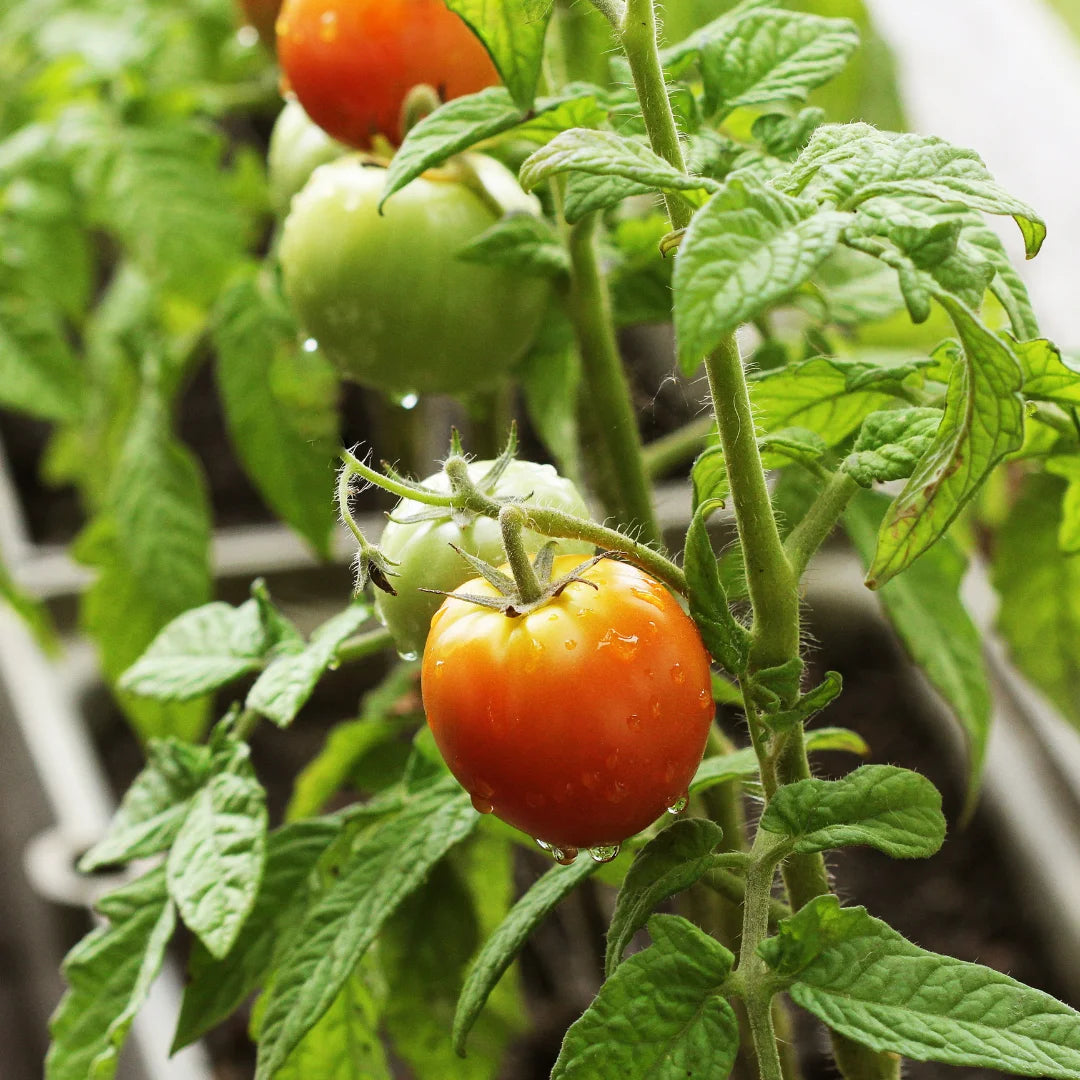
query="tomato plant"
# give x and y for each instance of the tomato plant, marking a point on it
(580, 722)
(353, 62)
(424, 556)
(861, 355)
(386, 296)
(297, 148)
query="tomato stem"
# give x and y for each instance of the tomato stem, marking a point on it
(820, 520)
(512, 522)
(607, 394)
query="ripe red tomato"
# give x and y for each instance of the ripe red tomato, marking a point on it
(262, 14)
(580, 722)
(352, 62)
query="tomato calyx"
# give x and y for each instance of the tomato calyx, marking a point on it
(510, 599)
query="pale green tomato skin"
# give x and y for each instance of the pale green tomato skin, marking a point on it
(298, 146)
(386, 297)
(426, 560)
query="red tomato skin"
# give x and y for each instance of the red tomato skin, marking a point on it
(579, 723)
(351, 63)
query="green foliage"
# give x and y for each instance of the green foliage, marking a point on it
(109, 974)
(216, 859)
(863, 979)
(383, 868)
(894, 810)
(280, 692)
(624, 1034)
(1039, 586)
(671, 862)
(926, 610)
(503, 945)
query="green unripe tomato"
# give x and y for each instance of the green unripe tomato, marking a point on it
(426, 561)
(386, 296)
(297, 148)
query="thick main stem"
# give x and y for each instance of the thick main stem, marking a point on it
(769, 577)
(605, 385)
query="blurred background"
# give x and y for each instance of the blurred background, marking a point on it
(121, 125)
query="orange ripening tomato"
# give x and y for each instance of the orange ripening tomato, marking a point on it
(351, 63)
(580, 722)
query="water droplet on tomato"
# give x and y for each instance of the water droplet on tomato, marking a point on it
(625, 646)
(534, 655)
(481, 805)
(603, 853)
(705, 699)
(678, 674)
(633, 721)
(570, 644)
(564, 856)
(542, 844)
(656, 708)
(617, 792)
(679, 805)
(648, 596)
(553, 617)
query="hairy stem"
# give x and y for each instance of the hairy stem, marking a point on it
(605, 387)
(511, 522)
(769, 577)
(820, 520)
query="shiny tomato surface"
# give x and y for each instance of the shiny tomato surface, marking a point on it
(579, 723)
(351, 63)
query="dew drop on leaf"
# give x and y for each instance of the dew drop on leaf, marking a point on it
(678, 806)
(564, 856)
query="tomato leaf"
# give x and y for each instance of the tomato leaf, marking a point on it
(827, 396)
(154, 806)
(924, 606)
(216, 862)
(514, 37)
(499, 950)
(890, 444)
(345, 1044)
(750, 247)
(465, 121)
(109, 974)
(724, 636)
(606, 154)
(863, 979)
(281, 407)
(207, 647)
(667, 864)
(522, 242)
(894, 810)
(391, 860)
(424, 950)
(348, 742)
(845, 164)
(151, 549)
(772, 55)
(39, 373)
(983, 422)
(660, 1015)
(217, 987)
(280, 692)
(1048, 376)
(1039, 587)
(743, 764)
